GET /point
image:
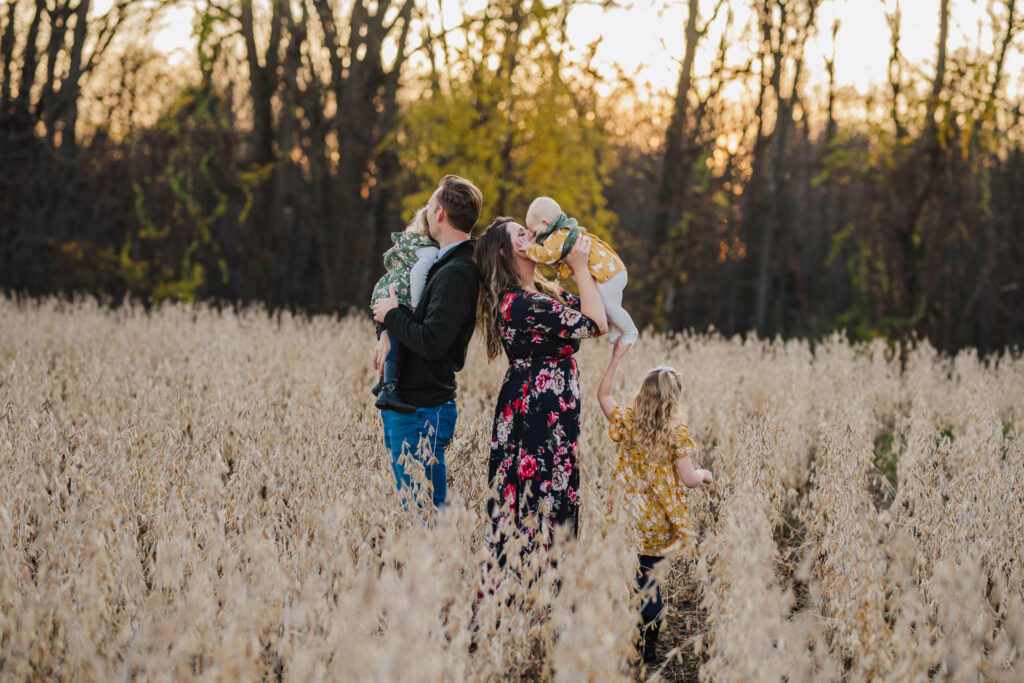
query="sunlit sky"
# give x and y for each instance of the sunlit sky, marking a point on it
(647, 38)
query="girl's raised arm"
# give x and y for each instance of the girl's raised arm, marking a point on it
(604, 389)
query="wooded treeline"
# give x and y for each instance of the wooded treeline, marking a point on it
(274, 165)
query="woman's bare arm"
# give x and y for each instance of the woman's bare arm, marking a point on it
(591, 304)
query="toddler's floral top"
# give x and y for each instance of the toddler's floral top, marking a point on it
(655, 497)
(398, 263)
(535, 435)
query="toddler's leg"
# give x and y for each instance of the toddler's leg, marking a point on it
(389, 397)
(611, 295)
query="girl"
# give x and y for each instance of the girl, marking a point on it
(654, 460)
(407, 264)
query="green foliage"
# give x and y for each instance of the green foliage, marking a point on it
(889, 447)
(513, 118)
(191, 200)
(249, 182)
(182, 190)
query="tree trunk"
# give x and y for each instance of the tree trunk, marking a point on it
(260, 87)
(675, 160)
(70, 85)
(265, 216)
(895, 71)
(504, 74)
(286, 179)
(6, 55)
(356, 203)
(909, 240)
(822, 291)
(22, 102)
(47, 99)
(990, 247)
(774, 179)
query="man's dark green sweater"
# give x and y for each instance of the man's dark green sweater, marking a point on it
(437, 334)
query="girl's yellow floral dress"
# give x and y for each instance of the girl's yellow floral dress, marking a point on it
(656, 499)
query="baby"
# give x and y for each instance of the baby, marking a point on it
(554, 235)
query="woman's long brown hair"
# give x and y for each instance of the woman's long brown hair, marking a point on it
(498, 274)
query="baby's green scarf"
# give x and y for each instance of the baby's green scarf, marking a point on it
(562, 221)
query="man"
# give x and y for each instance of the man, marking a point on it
(435, 337)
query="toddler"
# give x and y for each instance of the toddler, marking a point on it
(654, 465)
(554, 235)
(406, 264)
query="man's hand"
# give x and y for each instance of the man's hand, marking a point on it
(380, 352)
(382, 306)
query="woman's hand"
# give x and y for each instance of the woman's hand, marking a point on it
(579, 258)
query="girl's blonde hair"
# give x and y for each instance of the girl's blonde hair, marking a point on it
(656, 409)
(419, 223)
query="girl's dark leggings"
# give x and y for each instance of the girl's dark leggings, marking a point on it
(650, 608)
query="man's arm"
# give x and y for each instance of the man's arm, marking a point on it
(452, 302)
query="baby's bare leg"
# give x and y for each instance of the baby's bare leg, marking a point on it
(618, 319)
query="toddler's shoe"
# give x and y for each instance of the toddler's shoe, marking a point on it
(388, 399)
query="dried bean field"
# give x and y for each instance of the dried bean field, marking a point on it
(187, 494)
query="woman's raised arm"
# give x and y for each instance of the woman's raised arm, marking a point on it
(591, 304)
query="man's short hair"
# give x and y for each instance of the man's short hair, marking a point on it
(462, 201)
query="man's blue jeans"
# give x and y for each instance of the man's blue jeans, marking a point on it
(424, 435)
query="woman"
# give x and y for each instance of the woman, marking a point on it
(534, 441)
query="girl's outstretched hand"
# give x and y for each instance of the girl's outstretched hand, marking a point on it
(619, 350)
(708, 479)
(604, 389)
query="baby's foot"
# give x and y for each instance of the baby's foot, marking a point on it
(613, 334)
(629, 339)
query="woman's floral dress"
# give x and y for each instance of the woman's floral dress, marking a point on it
(535, 438)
